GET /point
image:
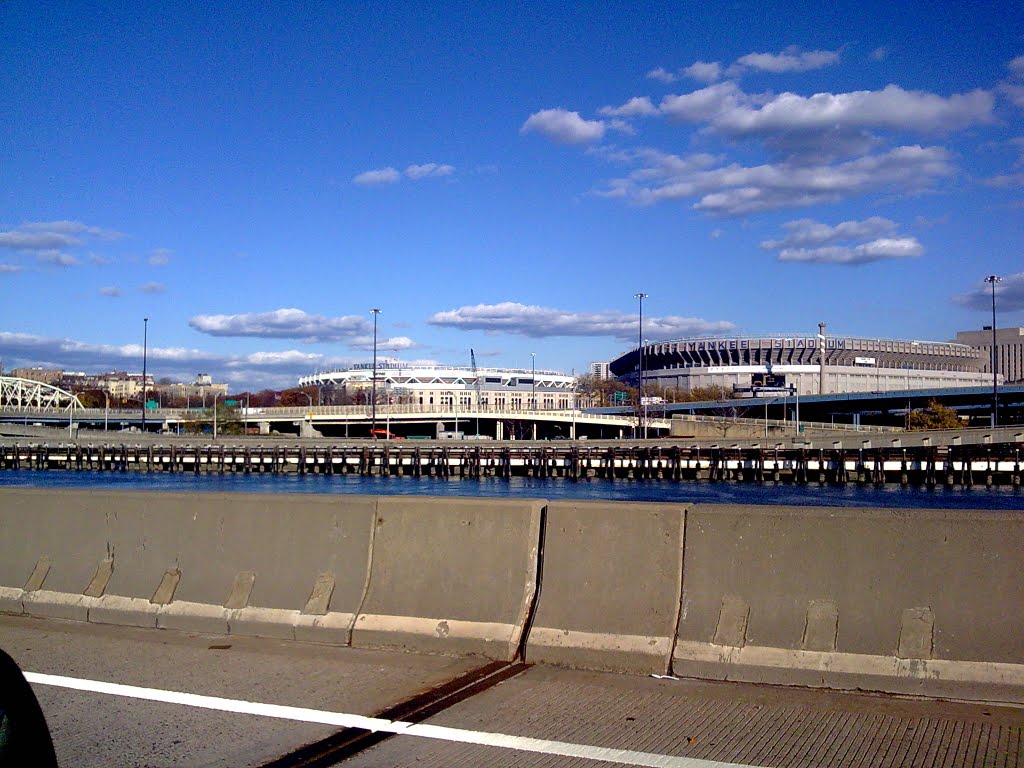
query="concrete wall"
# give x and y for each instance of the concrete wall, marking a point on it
(610, 591)
(919, 601)
(242, 563)
(451, 575)
(927, 599)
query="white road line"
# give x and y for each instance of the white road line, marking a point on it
(342, 720)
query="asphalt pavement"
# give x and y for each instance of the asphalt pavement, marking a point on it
(116, 696)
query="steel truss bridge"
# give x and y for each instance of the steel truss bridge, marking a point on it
(28, 396)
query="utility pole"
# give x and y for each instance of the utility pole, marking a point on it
(145, 339)
(373, 386)
(821, 358)
(641, 425)
(993, 279)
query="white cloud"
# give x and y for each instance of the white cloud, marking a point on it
(638, 106)
(1016, 67)
(394, 343)
(564, 126)
(892, 108)
(1015, 93)
(804, 232)
(734, 190)
(50, 241)
(153, 288)
(265, 368)
(23, 240)
(284, 324)
(876, 250)
(73, 228)
(1006, 181)
(428, 170)
(57, 258)
(811, 241)
(376, 177)
(705, 104)
(878, 54)
(10, 268)
(111, 291)
(704, 71)
(662, 74)
(790, 60)
(1009, 295)
(158, 257)
(541, 322)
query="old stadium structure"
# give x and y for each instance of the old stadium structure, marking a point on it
(453, 386)
(810, 364)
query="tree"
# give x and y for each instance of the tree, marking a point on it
(92, 398)
(296, 397)
(229, 421)
(712, 392)
(935, 416)
(594, 391)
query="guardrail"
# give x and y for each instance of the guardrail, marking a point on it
(815, 425)
(354, 412)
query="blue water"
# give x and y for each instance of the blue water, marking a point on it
(892, 496)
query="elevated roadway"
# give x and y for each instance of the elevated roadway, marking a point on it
(889, 407)
(355, 421)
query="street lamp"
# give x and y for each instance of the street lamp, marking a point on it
(215, 396)
(640, 347)
(145, 339)
(373, 386)
(992, 280)
(533, 380)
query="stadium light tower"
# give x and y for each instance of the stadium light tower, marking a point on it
(992, 280)
(533, 380)
(373, 385)
(640, 385)
(145, 340)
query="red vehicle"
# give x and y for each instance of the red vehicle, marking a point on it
(383, 434)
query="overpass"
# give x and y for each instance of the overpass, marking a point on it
(856, 408)
(353, 421)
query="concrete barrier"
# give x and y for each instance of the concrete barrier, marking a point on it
(610, 587)
(451, 575)
(919, 602)
(905, 601)
(224, 563)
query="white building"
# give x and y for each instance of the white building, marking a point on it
(1009, 350)
(455, 387)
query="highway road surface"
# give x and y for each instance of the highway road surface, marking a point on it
(117, 696)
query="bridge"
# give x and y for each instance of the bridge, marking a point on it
(28, 396)
(856, 408)
(349, 421)
(285, 630)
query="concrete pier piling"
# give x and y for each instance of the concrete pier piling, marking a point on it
(928, 465)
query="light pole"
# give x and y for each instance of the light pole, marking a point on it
(533, 380)
(373, 385)
(215, 396)
(992, 280)
(145, 341)
(642, 427)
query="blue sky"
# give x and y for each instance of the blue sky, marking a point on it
(502, 177)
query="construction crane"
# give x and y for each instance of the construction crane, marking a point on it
(476, 386)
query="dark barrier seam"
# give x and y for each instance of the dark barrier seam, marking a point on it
(682, 591)
(369, 569)
(531, 613)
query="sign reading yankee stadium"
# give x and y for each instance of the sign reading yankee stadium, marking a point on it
(774, 343)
